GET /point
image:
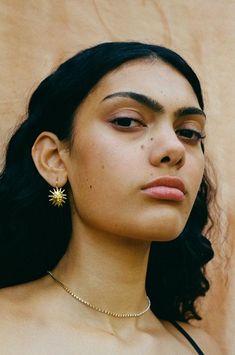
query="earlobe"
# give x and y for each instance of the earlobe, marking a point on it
(48, 160)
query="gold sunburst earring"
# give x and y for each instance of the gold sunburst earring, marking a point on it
(58, 196)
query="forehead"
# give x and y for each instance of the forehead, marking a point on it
(153, 77)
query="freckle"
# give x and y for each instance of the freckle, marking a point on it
(151, 138)
(142, 146)
(102, 166)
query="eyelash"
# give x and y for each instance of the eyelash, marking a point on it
(125, 119)
(198, 135)
(125, 127)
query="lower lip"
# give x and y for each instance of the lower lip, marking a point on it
(165, 193)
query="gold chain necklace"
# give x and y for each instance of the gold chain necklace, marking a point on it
(119, 315)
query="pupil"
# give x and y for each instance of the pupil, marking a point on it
(124, 121)
(187, 133)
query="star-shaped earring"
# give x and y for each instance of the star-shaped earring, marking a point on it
(58, 196)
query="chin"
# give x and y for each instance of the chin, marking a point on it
(164, 231)
(157, 234)
(162, 237)
(164, 226)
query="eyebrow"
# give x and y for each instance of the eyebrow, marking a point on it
(142, 99)
(186, 111)
(155, 106)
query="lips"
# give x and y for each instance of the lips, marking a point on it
(166, 188)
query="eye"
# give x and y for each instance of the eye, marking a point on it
(127, 122)
(190, 134)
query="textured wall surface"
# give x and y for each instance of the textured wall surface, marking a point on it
(36, 35)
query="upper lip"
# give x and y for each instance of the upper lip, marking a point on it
(169, 181)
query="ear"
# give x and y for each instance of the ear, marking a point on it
(48, 154)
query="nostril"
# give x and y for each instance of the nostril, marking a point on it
(165, 160)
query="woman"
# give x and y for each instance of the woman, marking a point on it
(115, 138)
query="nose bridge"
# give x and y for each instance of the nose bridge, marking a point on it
(166, 147)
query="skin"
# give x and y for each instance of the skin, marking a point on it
(113, 220)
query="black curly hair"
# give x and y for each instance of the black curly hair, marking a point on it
(34, 235)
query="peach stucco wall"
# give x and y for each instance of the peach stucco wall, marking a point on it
(36, 35)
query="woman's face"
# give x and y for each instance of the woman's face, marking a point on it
(134, 127)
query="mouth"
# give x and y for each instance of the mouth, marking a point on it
(166, 188)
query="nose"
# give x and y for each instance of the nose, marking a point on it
(167, 149)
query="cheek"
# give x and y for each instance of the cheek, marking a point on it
(197, 172)
(101, 183)
(100, 174)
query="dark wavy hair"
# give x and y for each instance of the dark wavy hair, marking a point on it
(34, 235)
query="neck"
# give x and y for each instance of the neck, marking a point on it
(107, 271)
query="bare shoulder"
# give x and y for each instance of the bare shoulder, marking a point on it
(16, 303)
(205, 341)
(10, 300)
(12, 294)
